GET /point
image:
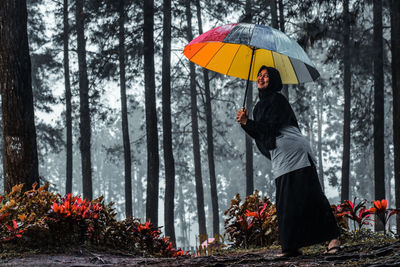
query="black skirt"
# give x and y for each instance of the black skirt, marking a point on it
(304, 214)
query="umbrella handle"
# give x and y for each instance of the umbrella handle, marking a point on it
(248, 77)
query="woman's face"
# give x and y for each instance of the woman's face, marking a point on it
(262, 79)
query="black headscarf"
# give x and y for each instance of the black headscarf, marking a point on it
(271, 114)
(275, 81)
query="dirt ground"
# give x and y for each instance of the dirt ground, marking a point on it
(355, 255)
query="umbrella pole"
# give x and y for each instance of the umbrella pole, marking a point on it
(248, 78)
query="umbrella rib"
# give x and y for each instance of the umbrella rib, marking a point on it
(294, 70)
(253, 64)
(233, 58)
(223, 44)
(273, 59)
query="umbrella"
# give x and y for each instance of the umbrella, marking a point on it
(240, 49)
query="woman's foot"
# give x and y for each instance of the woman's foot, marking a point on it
(290, 253)
(333, 247)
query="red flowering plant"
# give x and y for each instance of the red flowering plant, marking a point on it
(382, 212)
(143, 238)
(252, 223)
(14, 231)
(77, 218)
(152, 240)
(41, 219)
(358, 213)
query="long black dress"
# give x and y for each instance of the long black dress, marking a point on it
(304, 214)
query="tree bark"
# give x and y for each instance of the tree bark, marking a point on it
(249, 150)
(395, 36)
(285, 89)
(19, 133)
(274, 14)
(68, 108)
(195, 133)
(347, 103)
(140, 194)
(124, 112)
(379, 156)
(169, 162)
(181, 213)
(84, 127)
(210, 138)
(153, 161)
(281, 16)
(248, 140)
(320, 121)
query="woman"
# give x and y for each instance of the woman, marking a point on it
(304, 214)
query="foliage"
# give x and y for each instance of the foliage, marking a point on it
(340, 220)
(380, 210)
(366, 235)
(40, 219)
(348, 209)
(253, 223)
(358, 213)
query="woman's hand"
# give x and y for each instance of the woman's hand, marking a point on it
(242, 116)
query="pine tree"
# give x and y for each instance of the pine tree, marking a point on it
(379, 163)
(19, 133)
(151, 115)
(169, 161)
(347, 103)
(124, 112)
(85, 128)
(285, 89)
(68, 106)
(210, 138)
(195, 131)
(248, 139)
(395, 40)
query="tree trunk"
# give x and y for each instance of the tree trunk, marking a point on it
(285, 90)
(135, 210)
(68, 108)
(346, 112)
(210, 138)
(274, 14)
(181, 213)
(124, 112)
(319, 120)
(281, 16)
(379, 157)
(195, 133)
(395, 36)
(248, 140)
(19, 133)
(84, 126)
(169, 219)
(249, 150)
(140, 195)
(151, 115)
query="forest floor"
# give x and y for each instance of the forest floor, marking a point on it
(364, 254)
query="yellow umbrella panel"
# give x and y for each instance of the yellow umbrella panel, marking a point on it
(234, 60)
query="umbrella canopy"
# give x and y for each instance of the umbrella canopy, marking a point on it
(240, 49)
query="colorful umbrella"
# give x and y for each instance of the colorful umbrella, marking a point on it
(240, 49)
